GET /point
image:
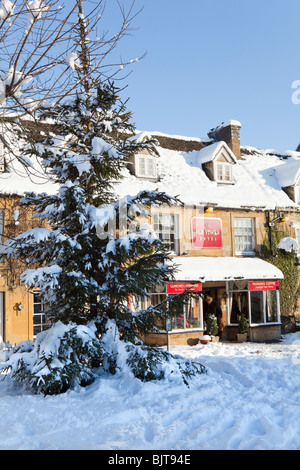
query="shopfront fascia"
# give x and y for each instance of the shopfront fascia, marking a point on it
(249, 286)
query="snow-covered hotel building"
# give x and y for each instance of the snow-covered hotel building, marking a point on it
(232, 196)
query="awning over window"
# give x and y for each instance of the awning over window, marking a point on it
(206, 269)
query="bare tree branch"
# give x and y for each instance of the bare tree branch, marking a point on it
(49, 52)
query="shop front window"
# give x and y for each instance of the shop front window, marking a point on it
(188, 315)
(238, 301)
(238, 304)
(156, 299)
(271, 306)
(257, 307)
(264, 307)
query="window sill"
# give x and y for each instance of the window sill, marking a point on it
(225, 182)
(248, 254)
(183, 330)
(150, 178)
(256, 325)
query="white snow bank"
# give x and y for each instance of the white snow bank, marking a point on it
(248, 400)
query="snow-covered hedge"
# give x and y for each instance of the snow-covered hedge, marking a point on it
(68, 356)
(145, 362)
(59, 359)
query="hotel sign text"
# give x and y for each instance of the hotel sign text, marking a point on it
(207, 232)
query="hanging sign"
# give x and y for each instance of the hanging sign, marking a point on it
(181, 287)
(207, 232)
(263, 285)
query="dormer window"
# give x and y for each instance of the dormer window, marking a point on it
(145, 166)
(223, 172)
(217, 161)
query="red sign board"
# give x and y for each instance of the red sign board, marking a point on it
(263, 285)
(207, 232)
(181, 287)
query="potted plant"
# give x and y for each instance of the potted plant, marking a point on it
(212, 328)
(204, 339)
(243, 329)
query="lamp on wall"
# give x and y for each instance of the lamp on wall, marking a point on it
(279, 219)
(207, 207)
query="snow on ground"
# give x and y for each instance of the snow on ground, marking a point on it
(250, 399)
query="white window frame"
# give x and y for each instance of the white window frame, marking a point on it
(138, 302)
(220, 170)
(164, 231)
(44, 325)
(297, 193)
(164, 292)
(148, 160)
(265, 322)
(297, 231)
(295, 224)
(229, 293)
(238, 250)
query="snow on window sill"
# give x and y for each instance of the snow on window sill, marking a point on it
(225, 182)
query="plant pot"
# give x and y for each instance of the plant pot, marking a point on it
(242, 337)
(215, 339)
(204, 339)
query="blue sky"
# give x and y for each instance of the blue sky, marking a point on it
(211, 61)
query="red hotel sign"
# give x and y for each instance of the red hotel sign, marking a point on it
(263, 285)
(207, 232)
(181, 287)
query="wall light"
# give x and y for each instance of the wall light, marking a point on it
(279, 219)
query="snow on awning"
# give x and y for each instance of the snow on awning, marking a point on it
(206, 269)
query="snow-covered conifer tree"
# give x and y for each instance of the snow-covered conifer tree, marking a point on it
(95, 253)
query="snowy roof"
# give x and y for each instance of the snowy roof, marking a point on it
(208, 153)
(18, 180)
(180, 173)
(259, 175)
(223, 269)
(288, 172)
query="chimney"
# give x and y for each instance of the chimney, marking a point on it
(229, 132)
